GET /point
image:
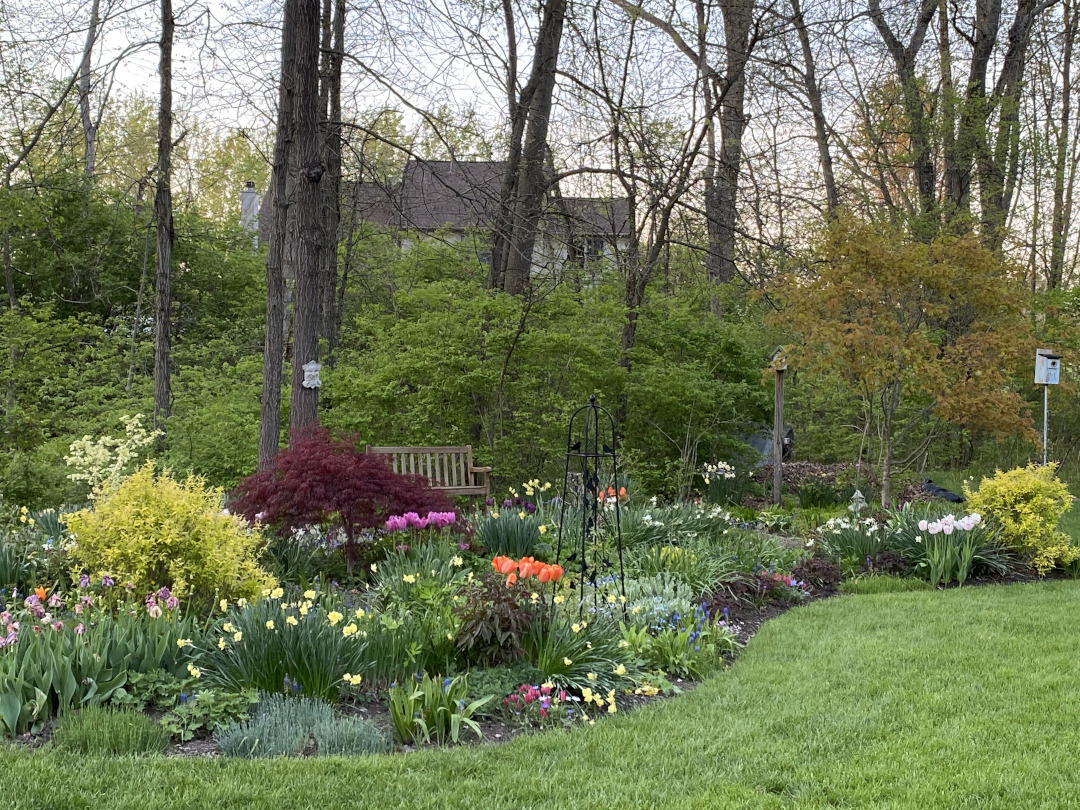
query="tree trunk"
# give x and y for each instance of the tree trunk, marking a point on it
(331, 182)
(304, 404)
(163, 216)
(9, 275)
(817, 110)
(1061, 214)
(89, 126)
(530, 184)
(274, 340)
(738, 16)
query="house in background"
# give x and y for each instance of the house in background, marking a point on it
(454, 198)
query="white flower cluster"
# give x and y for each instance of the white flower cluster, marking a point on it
(104, 463)
(719, 470)
(948, 524)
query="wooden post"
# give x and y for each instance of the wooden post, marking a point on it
(778, 437)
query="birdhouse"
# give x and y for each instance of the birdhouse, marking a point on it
(1047, 367)
(779, 360)
(311, 375)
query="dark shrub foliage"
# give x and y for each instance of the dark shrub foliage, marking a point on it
(318, 480)
(493, 620)
(820, 573)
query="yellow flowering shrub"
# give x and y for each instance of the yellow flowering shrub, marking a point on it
(1026, 504)
(153, 530)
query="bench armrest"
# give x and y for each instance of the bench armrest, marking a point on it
(480, 469)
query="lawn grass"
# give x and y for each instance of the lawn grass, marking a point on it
(953, 699)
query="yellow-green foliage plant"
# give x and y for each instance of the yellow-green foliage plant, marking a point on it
(1027, 503)
(153, 530)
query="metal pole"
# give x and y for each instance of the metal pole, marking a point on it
(778, 437)
(1046, 421)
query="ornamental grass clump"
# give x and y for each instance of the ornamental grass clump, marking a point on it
(287, 727)
(104, 731)
(1027, 504)
(153, 530)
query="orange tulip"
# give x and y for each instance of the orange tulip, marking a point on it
(556, 573)
(41, 593)
(545, 575)
(506, 565)
(622, 493)
(526, 569)
(511, 579)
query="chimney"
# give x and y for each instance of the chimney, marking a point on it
(249, 210)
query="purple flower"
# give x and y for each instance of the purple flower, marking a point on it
(58, 626)
(507, 503)
(80, 628)
(55, 601)
(163, 593)
(84, 581)
(396, 523)
(489, 502)
(107, 581)
(172, 603)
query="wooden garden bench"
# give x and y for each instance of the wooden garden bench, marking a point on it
(449, 469)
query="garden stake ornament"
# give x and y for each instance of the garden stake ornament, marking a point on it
(590, 514)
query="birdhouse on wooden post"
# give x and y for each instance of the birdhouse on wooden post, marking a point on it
(779, 365)
(1047, 373)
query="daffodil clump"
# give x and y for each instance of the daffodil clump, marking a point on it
(273, 645)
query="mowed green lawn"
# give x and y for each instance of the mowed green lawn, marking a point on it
(967, 698)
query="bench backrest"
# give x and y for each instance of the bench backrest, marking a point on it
(444, 467)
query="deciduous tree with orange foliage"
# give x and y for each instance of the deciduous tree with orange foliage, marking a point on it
(936, 328)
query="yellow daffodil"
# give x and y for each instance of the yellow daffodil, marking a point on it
(449, 636)
(591, 676)
(360, 613)
(23, 510)
(624, 644)
(567, 662)
(636, 609)
(456, 561)
(586, 694)
(194, 671)
(534, 598)
(30, 522)
(183, 642)
(611, 599)
(620, 670)
(227, 627)
(291, 620)
(304, 610)
(309, 594)
(334, 617)
(409, 579)
(559, 599)
(22, 518)
(548, 685)
(575, 627)
(622, 599)
(265, 591)
(221, 643)
(242, 602)
(542, 529)
(374, 567)
(495, 515)
(224, 605)
(277, 593)
(349, 629)
(269, 624)
(237, 636)
(521, 515)
(611, 708)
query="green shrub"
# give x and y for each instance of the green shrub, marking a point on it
(1027, 503)
(883, 584)
(433, 709)
(284, 726)
(698, 567)
(98, 730)
(152, 530)
(689, 646)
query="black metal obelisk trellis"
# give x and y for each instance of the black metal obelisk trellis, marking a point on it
(590, 521)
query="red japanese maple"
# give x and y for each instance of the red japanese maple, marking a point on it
(318, 480)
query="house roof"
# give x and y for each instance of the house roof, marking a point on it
(462, 195)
